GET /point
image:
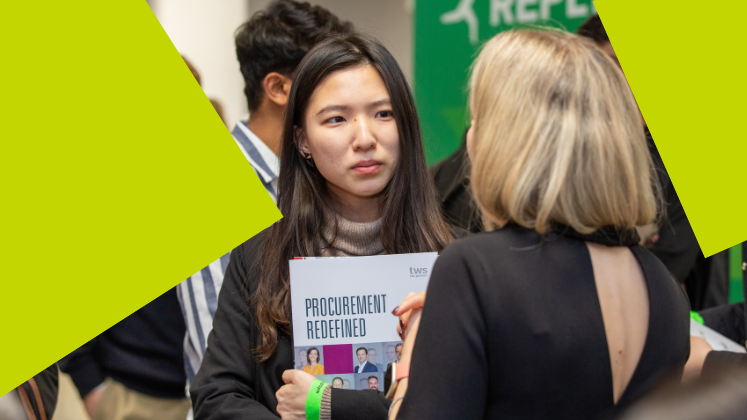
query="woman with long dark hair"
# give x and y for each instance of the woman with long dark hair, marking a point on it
(353, 181)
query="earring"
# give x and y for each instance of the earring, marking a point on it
(309, 160)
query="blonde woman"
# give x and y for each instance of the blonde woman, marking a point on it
(557, 312)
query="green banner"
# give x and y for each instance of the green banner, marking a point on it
(736, 292)
(448, 35)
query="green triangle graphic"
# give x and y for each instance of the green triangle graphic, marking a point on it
(119, 179)
(690, 85)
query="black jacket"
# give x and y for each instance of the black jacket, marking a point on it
(451, 176)
(679, 250)
(231, 384)
(677, 247)
(144, 352)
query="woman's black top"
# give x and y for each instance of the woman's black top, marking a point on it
(512, 329)
(230, 383)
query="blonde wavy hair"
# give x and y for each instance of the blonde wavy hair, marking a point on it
(557, 138)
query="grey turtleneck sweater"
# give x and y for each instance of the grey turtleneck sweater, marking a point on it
(353, 239)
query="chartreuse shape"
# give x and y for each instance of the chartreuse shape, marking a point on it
(689, 82)
(118, 178)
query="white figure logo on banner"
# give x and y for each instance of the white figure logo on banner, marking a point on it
(512, 12)
(463, 12)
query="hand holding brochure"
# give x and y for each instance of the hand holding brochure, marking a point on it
(343, 328)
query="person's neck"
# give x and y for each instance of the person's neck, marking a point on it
(355, 208)
(267, 124)
(364, 362)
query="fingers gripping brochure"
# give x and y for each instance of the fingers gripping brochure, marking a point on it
(343, 329)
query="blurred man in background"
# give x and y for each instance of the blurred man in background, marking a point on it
(135, 369)
(140, 361)
(269, 47)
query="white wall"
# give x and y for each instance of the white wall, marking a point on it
(202, 31)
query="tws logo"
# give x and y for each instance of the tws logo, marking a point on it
(418, 272)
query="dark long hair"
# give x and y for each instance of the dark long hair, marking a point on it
(411, 217)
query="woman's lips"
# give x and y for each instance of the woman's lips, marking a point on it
(367, 167)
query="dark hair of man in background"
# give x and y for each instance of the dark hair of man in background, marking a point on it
(277, 39)
(594, 30)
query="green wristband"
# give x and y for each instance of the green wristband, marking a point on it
(314, 399)
(696, 317)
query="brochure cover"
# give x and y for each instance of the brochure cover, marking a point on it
(343, 329)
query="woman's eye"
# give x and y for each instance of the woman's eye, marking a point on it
(384, 114)
(336, 120)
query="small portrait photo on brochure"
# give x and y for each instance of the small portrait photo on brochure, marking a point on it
(392, 352)
(373, 381)
(367, 358)
(310, 359)
(339, 381)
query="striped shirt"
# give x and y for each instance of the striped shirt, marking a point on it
(262, 159)
(198, 295)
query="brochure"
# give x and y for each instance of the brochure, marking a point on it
(716, 340)
(342, 314)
